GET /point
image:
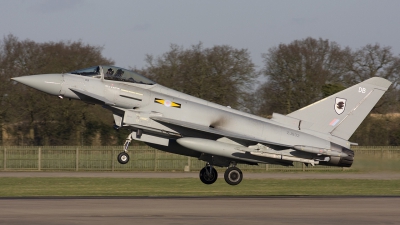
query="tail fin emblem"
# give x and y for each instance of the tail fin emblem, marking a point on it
(340, 105)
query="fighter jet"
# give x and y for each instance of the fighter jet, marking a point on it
(220, 136)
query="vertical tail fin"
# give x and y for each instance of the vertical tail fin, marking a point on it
(340, 114)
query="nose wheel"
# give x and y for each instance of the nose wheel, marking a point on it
(123, 158)
(208, 175)
(233, 176)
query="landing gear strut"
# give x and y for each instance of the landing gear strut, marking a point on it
(123, 157)
(208, 174)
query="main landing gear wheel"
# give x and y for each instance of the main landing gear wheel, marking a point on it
(123, 158)
(208, 175)
(233, 176)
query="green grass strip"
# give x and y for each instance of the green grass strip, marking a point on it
(30, 187)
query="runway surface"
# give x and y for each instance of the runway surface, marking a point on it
(208, 210)
(221, 211)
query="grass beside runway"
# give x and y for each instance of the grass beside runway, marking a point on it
(30, 187)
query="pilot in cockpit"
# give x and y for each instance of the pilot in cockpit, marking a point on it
(109, 73)
(118, 74)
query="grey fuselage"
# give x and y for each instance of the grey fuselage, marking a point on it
(140, 100)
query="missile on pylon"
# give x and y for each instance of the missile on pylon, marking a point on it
(218, 148)
(321, 151)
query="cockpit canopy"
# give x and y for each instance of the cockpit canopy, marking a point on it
(113, 73)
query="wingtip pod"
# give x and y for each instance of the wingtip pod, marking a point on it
(380, 82)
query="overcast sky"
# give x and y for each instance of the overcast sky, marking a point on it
(128, 30)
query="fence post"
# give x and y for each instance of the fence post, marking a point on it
(155, 159)
(77, 159)
(39, 158)
(266, 167)
(5, 159)
(303, 167)
(189, 162)
(112, 159)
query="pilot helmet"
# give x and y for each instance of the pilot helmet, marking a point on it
(110, 71)
(119, 71)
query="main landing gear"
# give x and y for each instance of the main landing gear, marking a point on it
(208, 174)
(232, 176)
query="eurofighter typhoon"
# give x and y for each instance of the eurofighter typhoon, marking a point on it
(175, 122)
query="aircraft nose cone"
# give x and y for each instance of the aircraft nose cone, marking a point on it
(49, 83)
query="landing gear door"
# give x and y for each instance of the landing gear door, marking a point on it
(118, 120)
(137, 118)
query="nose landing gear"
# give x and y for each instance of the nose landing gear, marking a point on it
(123, 157)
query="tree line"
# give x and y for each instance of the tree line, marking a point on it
(293, 75)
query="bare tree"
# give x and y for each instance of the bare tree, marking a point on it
(220, 74)
(42, 117)
(297, 73)
(371, 61)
